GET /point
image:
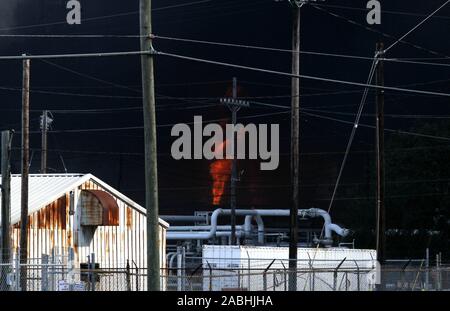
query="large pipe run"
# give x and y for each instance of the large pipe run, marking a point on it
(257, 214)
(183, 218)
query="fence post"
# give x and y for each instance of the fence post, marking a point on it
(92, 271)
(179, 268)
(51, 271)
(274, 281)
(335, 274)
(264, 281)
(438, 272)
(137, 275)
(249, 271)
(427, 268)
(313, 279)
(357, 276)
(239, 278)
(44, 273)
(346, 280)
(210, 276)
(311, 275)
(265, 275)
(191, 285)
(284, 275)
(183, 267)
(334, 280)
(70, 268)
(17, 271)
(128, 276)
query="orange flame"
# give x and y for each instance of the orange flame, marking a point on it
(220, 172)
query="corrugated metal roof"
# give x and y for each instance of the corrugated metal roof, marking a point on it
(44, 189)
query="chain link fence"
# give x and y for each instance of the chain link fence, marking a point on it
(58, 273)
(219, 274)
(394, 279)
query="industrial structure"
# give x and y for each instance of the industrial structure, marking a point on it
(260, 259)
(205, 227)
(85, 214)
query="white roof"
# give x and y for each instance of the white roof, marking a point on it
(46, 188)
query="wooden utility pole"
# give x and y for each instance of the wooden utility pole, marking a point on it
(381, 214)
(6, 208)
(151, 170)
(295, 135)
(25, 172)
(45, 123)
(234, 105)
(234, 110)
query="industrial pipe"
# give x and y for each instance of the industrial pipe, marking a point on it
(201, 228)
(328, 225)
(197, 235)
(313, 212)
(182, 218)
(248, 227)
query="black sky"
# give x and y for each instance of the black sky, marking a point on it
(116, 156)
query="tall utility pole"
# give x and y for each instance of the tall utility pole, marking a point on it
(381, 214)
(295, 135)
(25, 172)
(6, 208)
(234, 105)
(151, 169)
(234, 111)
(46, 121)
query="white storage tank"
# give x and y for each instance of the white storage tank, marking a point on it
(258, 268)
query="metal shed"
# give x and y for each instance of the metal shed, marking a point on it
(82, 212)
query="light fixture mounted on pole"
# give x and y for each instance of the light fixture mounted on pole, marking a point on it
(300, 3)
(46, 121)
(234, 104)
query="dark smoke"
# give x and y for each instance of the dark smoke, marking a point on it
(8, 10)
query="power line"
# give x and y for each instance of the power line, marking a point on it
(383, 11)
(89, 19)
(398, 60)
(292, 51)
(182, 5)
(160, 125)
(304, 154)
(225, 64)
(416, 27)
(378, 32)
(252, 7)
(258, 47)
(76, 55)
(372, 127)
(121, 86)
(86, 36)
(84, 75)
(72, 94)
(300, 76)
(401, 116)
(401, 132)
(353, 132)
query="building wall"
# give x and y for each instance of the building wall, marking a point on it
(53, 227)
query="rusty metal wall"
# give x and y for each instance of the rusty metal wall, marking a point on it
(53, 228)
(47, 229)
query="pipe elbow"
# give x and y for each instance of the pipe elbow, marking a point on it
(338, 230)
